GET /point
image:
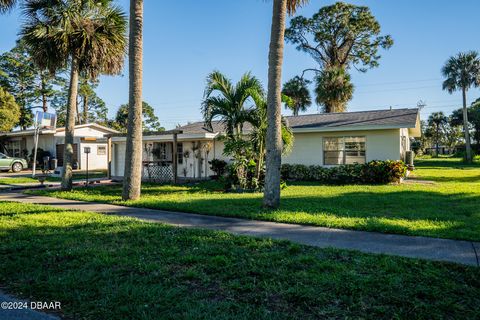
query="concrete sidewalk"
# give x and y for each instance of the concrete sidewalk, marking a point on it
(463, 252)
(50, 184)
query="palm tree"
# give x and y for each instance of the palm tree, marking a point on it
(258, 120)
(133, 159)
(437, 121)
(6, 5)
(462, 72)
(228, 102)
(88, 36)
(297, 90)
(333, 89)
(271, 197)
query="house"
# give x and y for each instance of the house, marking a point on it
(320, 139)
(21, 143)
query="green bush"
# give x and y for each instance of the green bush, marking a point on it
(373, 172)
(218, 166)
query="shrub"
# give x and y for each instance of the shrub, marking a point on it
(218, 166)
(373, 172)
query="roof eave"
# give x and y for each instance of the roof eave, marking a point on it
(351, 128)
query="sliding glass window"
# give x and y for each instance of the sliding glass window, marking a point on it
(343, 150)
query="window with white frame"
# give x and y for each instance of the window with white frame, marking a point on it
(101, 150)
(343, 150)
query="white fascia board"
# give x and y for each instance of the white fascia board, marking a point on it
(169, 137)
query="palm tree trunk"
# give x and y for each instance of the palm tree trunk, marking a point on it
(468, 149)
(85, 109)
(43, 90)
(271, 196)
(78, 119)
(133, 159)
(70, 126)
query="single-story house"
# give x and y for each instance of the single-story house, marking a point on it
(320, 139)
(21, 143)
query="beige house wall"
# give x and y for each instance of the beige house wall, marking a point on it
(380, 145)
(307, 149)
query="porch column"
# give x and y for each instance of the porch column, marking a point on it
(174, 157)
(109, 157)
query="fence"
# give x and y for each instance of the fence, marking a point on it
(157, 171)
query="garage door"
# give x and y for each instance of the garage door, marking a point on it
(61, 150)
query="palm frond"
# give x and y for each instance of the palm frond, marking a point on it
(294, 5)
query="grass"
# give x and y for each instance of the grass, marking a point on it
(24, 180)
(98, 265)
(446, 209)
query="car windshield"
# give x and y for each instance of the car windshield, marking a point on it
(2, 155)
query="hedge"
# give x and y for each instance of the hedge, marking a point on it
(373, 172)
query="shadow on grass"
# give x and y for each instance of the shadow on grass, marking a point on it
(98, 265)
(402, 212)
(390, 210)
(468, 179)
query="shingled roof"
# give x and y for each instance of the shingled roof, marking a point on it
(394, 118)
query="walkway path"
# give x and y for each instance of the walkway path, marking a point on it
(20, 314)
(464, 252)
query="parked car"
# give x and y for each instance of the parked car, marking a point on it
(11, 163)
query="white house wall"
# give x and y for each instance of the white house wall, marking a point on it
(84, 132)
(190, 168)
(95, 161)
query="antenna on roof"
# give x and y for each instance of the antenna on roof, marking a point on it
(421, 104)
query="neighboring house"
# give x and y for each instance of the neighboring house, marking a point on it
(320, 139)
(21, 143)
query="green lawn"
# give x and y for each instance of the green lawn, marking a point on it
(76, 175)
(102, 267)
(449, 208)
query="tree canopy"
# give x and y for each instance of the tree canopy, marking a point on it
(90, 107)
(151, 123)
(461, 71)
(334, 89)
(473, 112)
(9, 111)
(338, 37)
(30, 85)
(229, 103)
(296, 89)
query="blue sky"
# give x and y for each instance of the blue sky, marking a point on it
(185, 40)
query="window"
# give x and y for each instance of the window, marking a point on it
(343, 150)
(101, 150)
(13, 148)
(180, 153)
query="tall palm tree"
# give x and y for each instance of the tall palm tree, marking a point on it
(271, 197)
(6, 5)
(297, 90)
(228, 102)
(437, 121)
(462, 72)
(133, 159)
(333, 89)
(87, 35)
